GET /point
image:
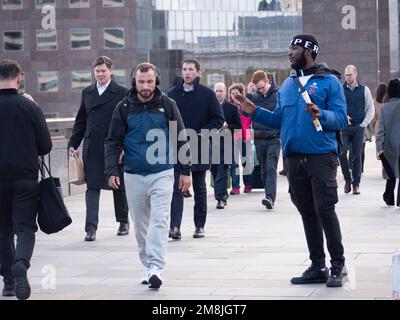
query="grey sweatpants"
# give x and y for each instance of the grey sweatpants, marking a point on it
(149, 200)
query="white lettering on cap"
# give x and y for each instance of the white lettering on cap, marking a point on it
(297, 41)
(307, 44)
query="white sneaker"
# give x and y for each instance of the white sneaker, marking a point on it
(155, 279)
(145, 277)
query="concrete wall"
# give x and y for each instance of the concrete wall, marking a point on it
(366, 46)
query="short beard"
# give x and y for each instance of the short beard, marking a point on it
(301, 63)
(150, 93)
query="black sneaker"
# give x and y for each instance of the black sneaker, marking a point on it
(155, 281)
(312, 275)
(220, 204)
(9, 288)
(198, 233)
(123, 229)
(337, 277)
(175, 233)
(268, 203)
(22, 288)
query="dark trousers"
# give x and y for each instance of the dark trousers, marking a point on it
(18, 211)
(352, 136)
(268, 151)
(313, 190)
(220, 176)
(200, 199)
(247, 178)
(92, 207)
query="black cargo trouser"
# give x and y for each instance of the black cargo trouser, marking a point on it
(313, 190)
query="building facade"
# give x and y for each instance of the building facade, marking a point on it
(57, 54)
(364, 33)
(230, 38)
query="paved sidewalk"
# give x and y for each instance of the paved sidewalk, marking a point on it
(248, 252)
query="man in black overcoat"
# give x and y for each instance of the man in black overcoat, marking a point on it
(92, 124)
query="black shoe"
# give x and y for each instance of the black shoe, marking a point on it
(155, 281)
(356, 189)
(312, 275)
(22, 287)
(225, 200)
(220, 204)
(268, 203)
(337, 277)
(198, 233)
(123, 229)
(388, 195)
(9, 288)
(282, 172)
(175, 233)
(347, 186)
(90, 235)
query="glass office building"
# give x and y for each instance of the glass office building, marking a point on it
(230, 38)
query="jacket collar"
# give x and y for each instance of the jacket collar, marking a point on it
(196, 83)
(112, 87)
(319, 70)
(9, 91)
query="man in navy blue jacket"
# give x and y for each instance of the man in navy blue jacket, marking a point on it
(144, 118)
(311, 152)
(199, 109)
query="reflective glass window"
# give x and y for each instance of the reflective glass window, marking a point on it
(13, 41)
(12, 4)
(46, 40)
(80, 80)
(80, 39)
(48, 81)
(114, 38)
(113, 3)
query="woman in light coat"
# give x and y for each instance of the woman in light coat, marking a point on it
(388, 140)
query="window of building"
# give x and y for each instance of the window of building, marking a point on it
(12, 4)
(80, 79)
(79, 3)
(13, 41)
(48, 81)
(120, 77)
(114, 38)
(42, 3)
(46, 40)
(80, 39)
(113, 3)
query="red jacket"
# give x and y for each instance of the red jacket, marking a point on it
(246, 126)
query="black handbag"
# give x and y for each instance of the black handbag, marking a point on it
(53, 215)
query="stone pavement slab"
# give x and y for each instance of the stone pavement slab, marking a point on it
(248, 252)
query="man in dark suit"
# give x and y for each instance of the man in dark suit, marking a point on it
(199, 109)
(219, 171)
(92, 123)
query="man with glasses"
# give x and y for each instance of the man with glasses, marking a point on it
(266, 140)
